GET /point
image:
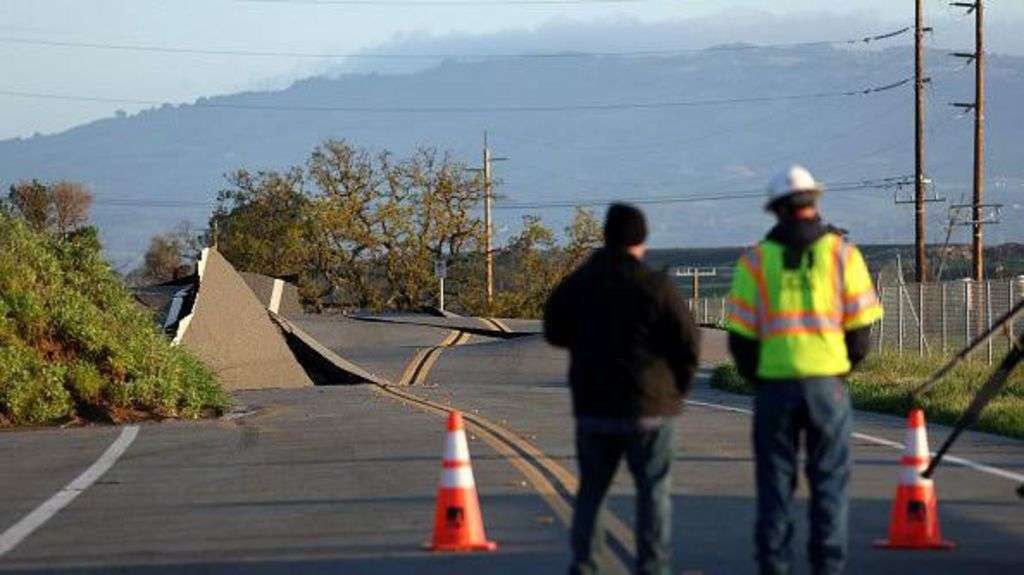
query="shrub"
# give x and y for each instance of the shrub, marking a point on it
(74, 345)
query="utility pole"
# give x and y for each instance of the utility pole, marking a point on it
(978, 244)
(488, 253)
(488, 185)
(921, 182)
(921, 270)
(695, 273)
(978, 207)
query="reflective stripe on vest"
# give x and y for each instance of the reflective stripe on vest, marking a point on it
(854, 304)
(801, 329)
(752, 261)
(768, 322)
(741, 313)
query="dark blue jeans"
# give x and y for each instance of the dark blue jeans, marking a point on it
(818, 409)
(648, 454)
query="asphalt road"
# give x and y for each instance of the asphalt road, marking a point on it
(342, 479)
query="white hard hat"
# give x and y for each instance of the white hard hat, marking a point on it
(793, 180)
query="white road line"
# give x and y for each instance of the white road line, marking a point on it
(985, 468)
(961, 461)
(19, 531)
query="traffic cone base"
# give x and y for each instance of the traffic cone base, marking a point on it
(914, 522)
(461, 525)
(458, 522)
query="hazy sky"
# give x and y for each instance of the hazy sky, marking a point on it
(360, 25)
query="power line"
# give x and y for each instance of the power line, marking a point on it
(857, 126)
(596, 107)
(871, 184)
(567, 54)
(933, 130)
(848, 186)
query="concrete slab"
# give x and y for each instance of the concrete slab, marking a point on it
(230, 330)
(384, 349)
(277, 295)
(478, 324)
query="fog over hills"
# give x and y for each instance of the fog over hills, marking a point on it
(172, 158)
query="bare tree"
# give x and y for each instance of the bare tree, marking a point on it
(60, 207)
(71, 202)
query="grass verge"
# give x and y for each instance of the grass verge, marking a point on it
(881, 384)
(75, 347)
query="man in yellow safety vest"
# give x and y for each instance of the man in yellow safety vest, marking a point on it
(799, 317)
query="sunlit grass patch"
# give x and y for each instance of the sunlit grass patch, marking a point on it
(883, 381)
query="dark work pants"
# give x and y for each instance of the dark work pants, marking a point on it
(649, 456)
(818, 409)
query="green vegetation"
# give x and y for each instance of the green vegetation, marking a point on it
(363, 231)
(882, 382)
(530, 266)
(73, 344)
(170, 256)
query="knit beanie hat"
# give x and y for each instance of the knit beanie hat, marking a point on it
(624, 226)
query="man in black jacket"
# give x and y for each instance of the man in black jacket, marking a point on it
(633, 351)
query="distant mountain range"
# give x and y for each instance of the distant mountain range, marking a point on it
(152, 169)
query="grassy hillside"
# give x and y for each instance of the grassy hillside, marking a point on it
(75, 347)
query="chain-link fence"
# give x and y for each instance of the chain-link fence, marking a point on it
(923, 319)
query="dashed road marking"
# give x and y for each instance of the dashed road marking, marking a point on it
(40, 515)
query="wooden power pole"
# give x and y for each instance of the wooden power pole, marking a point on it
(978, 207)
(695, 273)
(488, 253)
(921, 269)
(488, 183)
(978, 243)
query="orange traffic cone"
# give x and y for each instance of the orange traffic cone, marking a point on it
(915, 519)
(458, 523)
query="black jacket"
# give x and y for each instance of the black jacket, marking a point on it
(633, 344)
(796, 236)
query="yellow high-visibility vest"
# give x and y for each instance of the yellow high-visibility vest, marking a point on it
(800, 315)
